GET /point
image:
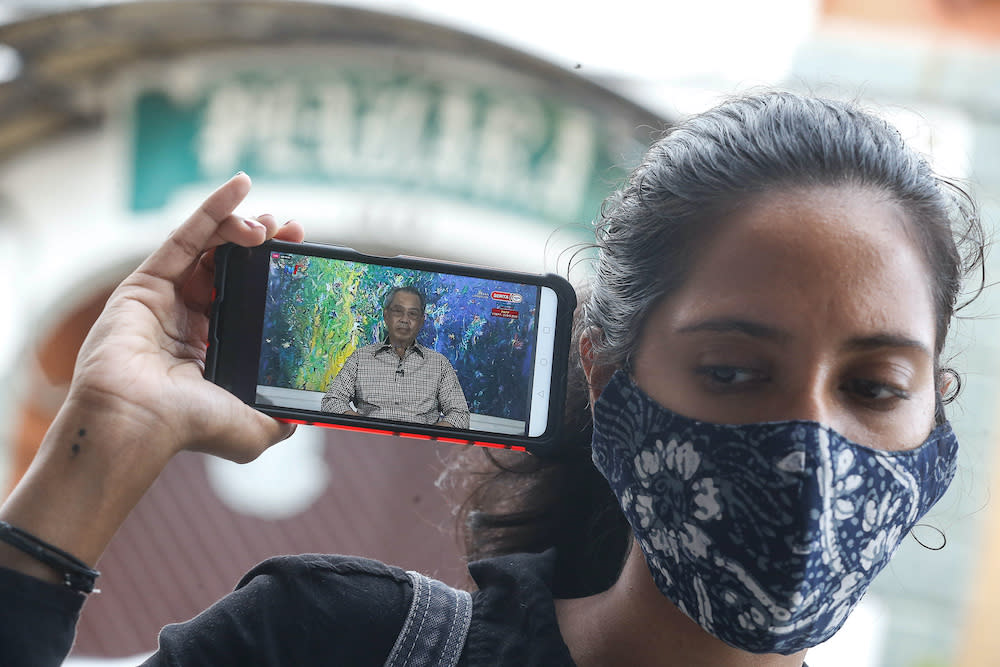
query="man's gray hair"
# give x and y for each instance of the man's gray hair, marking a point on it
(409, 289)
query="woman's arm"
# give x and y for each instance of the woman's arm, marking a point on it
(138, 396)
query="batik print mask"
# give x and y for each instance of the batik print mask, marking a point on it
(766, 535)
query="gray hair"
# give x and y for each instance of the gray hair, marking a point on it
(409, 289)
(650, 231)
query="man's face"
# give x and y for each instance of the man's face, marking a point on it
(403, 319)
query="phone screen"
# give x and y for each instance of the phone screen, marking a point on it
(409, 342)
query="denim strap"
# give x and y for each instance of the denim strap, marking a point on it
(435, 629)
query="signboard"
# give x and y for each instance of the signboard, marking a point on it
(347, 126)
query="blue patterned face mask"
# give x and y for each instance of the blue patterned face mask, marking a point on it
(766, 535)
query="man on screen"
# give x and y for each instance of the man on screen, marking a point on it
(399, 378)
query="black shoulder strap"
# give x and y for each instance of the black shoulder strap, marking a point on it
(435, 628)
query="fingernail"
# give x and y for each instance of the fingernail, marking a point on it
(253, 224)
(240, 173)
(287, 222)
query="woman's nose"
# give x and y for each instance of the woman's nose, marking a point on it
(813, 403)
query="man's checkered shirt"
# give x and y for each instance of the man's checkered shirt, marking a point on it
(421, 387)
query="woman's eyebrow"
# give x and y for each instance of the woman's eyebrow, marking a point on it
(768, 332)
(877, 341)
(737, 325)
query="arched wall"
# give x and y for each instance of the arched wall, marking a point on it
(384, 133)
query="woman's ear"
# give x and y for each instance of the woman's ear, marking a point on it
(946, 383)
(598, 374)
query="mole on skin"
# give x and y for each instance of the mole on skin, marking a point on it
(76, 447)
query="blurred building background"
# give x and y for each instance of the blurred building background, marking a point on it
(484, 133)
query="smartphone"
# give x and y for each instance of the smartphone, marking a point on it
(324, 335)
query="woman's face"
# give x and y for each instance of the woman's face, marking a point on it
(806, 304)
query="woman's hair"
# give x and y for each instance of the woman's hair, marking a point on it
(648, 235)
(651, 230)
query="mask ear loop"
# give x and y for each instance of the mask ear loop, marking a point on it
(626, 367)
(944, 538)
(947, 387)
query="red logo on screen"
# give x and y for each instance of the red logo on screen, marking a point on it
(510, 297)
(507, 313)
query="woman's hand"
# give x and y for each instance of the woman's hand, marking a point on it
(142, 363)
(138, 396)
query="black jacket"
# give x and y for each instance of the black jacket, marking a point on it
(309, 609)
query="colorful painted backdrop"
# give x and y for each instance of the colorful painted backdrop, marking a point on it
(320, 310)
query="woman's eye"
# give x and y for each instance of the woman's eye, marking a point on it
(730, 376)
(873, 390)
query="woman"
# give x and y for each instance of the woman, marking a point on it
(761, 346)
